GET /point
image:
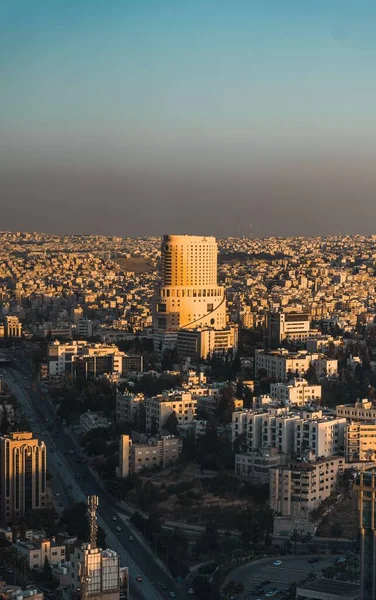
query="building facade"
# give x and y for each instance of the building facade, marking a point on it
(366, 486)
(158, 453)
(298, 392)
(189, 296)
(159, 408)
(360, 442)
(283, 325)
(37, 551)
(23, 475)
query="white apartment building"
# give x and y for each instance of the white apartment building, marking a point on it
(297, 489)
(82, 357)
(157, 452)
(159, 408)
(360, 442)
(260, 428)
(37, 550)
(127, 406)
(298, 392)
(199, 343)
(321, 343)
(286, 325)
(85, 328)
(363, 411)
(189, 296)
(323, 436)
(283, 365)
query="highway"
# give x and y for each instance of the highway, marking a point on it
(67, 467)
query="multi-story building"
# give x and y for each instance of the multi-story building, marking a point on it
(83, 359)
(260, 428)
(22, 475)
(132, 363)
(91, 420)
(323, 436)
(100, 569)
(283, 365)
(36, 551)
(257, 465)
(298, 392)
(15, 592)
(283, 325)
(85, 328)
(157, 452)
(127, 406)
(200, 343)
(298, 488)
(366, 486)
(189, 296)
(12, 327)
(159, 408)
(360, 442)
(363, 411)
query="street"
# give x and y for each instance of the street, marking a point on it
(67, 468)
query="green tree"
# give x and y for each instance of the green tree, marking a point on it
(337, 530)
(47, 571)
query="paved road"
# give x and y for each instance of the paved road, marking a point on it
(66, 471)
(292, 569)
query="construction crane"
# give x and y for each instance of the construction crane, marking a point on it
(92, 505)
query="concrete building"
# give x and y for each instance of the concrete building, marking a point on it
(83, 359)
(363, 411)
(15, 592)
(366, 486)
(36, 551)
(91, 420)
(85, 328)
(360, 442)
(260, 428)
(101, 568)
(159, 408)
(189, 296)
(283, 365)
(12, 327)
(200, 343)
(298, 392)
(132, 363)
(257, 465)
(300, 487)
(324, 436)
(22, 475)
(283, 325)
(156, 453)
(127, 406)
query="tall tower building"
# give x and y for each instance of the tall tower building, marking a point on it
(189, 296)
(366, 486)
(95, 573)
(22, 475)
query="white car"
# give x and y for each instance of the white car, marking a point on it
(118, 528)
(114, 518)
(191, 592)
(277, 563)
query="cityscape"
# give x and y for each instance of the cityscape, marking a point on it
(187, 417)
(187, 300)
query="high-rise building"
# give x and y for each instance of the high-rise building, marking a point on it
(366, 486)
(13, 327)
(94, 573)
(22, 475)
(189, 296)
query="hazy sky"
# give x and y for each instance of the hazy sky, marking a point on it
(141, 117)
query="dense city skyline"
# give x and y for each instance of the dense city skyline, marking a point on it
(234, 110)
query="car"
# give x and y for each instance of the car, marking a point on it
(57, 495)
(139, 578)
(118, 528)
(340, 560)
(131, 538)
(172, 595)
(163, 586)
(71, 451)
(114, 518)
(277, 563)
(270, 594)
(191, 592)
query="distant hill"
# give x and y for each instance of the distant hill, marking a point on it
(136, 265)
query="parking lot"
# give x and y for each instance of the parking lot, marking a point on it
(269, 578)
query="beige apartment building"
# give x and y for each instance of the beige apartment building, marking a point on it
(157, 453)
(360, 442)
(159, 408)
(12, 327)
(189, 296)
(299, 488)
(36, 551)
(22, 475)
(199, 343)
(286, 325)
(298, 392)
(283, 365)
(363, 411)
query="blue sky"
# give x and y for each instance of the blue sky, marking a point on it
(166, 83)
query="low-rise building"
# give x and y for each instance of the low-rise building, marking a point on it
(298, 488)
(283, 365)
(15, 592)
(298, 392)
(36, 551)
(257, 465)
(91, 420)
(157, 452)
(127, 406)
(159, 408)
(363, 411)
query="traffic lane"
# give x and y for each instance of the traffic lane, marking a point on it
(142, 555)
(292, 569)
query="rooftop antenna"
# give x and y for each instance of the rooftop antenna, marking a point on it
(92, 505)
(250, 228)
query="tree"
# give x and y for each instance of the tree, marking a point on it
(232, 587)
(5, 425)
(226, 405)
(47, 571)
(337, 530)
(172, 424)
(153, 425)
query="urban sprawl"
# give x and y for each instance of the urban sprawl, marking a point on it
(187, 416)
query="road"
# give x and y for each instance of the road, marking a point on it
(262, 573)
(68, 469)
